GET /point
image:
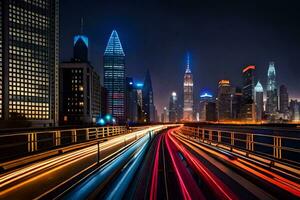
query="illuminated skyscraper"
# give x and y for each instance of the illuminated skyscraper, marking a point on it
(80, 50)
(272, 97)
(259, 101)
(114, 77)
(248, 106)
(173, 108)
(224, 101)
(29, 46)
(188, 93)
(205, 98)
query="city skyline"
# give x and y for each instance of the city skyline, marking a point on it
(262, 36)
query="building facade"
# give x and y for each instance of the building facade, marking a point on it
(148, 99)
(80, 93)
(248, 106)
(115, 77)
(205, 98)
(29, 62)
(188, 93)
(284, 101)
(259, 101)
(224, 100)
(272, 96)
(173, 108)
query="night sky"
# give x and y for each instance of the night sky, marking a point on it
(220, 37)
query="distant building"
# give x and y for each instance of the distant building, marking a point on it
(165, 115)
(140, 109)
(259, 101)
(211, 112)
(29, 63)
(114, 77)
(272, 97)
(80, 93)
(284, 101)
(248, 107)
(295, 110)
(131, 101)
(148, 99)
(205, 98)
(236, 103)
(173, 108)
(224, 100)
(188, 93)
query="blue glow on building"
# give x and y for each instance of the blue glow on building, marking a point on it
(130, 83)
(84, 39)
(101, 122)
(114, 46)
(205, 94)
(139, 85)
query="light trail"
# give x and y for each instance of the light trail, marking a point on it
(275, 179)
(65, 160)
(153, 190)
(189, 188)
(219, 189)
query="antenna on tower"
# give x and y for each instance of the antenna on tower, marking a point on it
(81, 26)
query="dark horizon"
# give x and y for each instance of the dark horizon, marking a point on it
(221, 38)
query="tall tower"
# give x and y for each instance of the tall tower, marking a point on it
(248, 107)
(188, 93)
(272, 97)
(29, 62)
(114, 77)
(148, 101)
(173, 108)
(259, 101)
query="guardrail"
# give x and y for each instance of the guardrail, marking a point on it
(276, 147)
(19, 144)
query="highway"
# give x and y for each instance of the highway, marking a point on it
(154, 163)
(41, 178)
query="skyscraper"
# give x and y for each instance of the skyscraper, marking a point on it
(224, 101)
(80, 89)
(148, 101)
(205, 98)
(259, 101)
(272, 97)
(173, 108)
(248, 107)
(80, 49)
(29, 40)
(188, 93)
(284, 100)
(114, 77)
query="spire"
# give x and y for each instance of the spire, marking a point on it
(114, 47)
(258, 87)
(271, 70)
(188, 70)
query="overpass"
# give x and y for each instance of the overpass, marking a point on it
(155, 162)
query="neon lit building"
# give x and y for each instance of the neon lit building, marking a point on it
(29, 62)
(188, 93)
(114, 77)
(259, 101)
(272, 97)
(224, 100)
(205, 99)
(80, 49)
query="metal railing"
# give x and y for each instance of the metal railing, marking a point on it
(19, 144)
(276, 147)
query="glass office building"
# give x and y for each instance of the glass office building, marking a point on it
(29, 61)
(114, 77)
